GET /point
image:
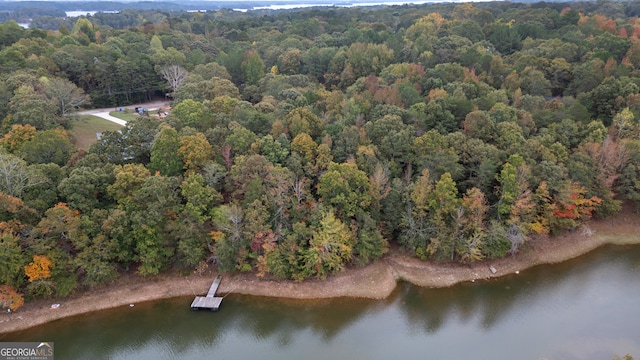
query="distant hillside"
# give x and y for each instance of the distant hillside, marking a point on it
(14, 6)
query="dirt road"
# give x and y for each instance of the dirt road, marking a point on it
(104, 112)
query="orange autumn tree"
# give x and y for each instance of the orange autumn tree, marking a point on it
(574, 207)
(39, 268)
(10, 298)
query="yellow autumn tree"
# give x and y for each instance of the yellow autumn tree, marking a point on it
(195, 151)
(330, 247)
(18, 135)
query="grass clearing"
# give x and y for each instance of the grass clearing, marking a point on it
(85, 127)
(126, 115)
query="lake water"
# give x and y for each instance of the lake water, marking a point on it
(586, 308)
(88, 13)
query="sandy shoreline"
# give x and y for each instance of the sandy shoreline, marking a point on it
(376, 281)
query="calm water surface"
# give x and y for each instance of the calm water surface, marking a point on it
(588, 308)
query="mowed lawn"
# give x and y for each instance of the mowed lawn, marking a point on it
(127, 115)
(84, 129)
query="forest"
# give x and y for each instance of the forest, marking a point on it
(300, 143)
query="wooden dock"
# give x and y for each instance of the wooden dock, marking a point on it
(211, 301)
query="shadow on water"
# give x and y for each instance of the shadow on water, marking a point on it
(489, 301)
(172, 323)
(266, 317)
(99, 334)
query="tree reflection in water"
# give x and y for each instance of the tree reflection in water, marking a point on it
(491, 300)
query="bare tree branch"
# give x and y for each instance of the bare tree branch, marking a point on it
(15, 175)
(66, 94)
(175, 75)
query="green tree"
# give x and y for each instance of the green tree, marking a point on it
(365, 59)
(346, 188)
(443, 205)
(370, 244)
(627, 125)
(50, 146)
(188, 113)
(605, 97)
(211, 70)
(302, 120)
(330, 247)
(534, 82)
(345, 143)
(85, 188)
(131, 144)
(153, 205)
(393, 140)
(478, 124)
(615, 45)
(505, 38)
(44, 194)
(84, 27)
(415, 227)
(586, 76)
(165, 59)
(434, 115)
(96, 256)
(316, 60)
(276, 151)
(191, 235)
(12, 260)
(230, 243)
(200, 198)
(10, 32)
(510, 137)
(117, 228)
(240, 139)
(165, 153)
(509, 188)
(59, 236)
(155, 45)
(629, 182)
(200, 90)
(253, 68)
(29, 107)
(128, 180)
(433, 152)
(96, 262)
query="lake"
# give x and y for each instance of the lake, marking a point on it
(586, 308)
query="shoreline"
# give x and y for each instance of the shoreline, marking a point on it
(375, 281)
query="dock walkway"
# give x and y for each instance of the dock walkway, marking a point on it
(211, 301)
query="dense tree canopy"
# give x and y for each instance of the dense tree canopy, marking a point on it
(300, 143)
